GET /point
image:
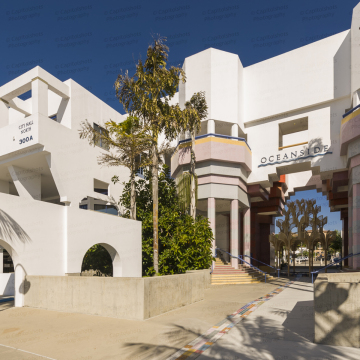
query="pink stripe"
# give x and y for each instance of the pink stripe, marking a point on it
(216, 179)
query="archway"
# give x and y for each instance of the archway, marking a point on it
(302, 225)
(101, 260)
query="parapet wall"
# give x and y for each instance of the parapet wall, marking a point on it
(124, 298)
(337, 309)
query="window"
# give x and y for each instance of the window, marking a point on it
(293, 133)
(101, 187)
(139, 170)
(83, 206)
(101, 191)
(54, 117)
(108, 209)
(100, 142)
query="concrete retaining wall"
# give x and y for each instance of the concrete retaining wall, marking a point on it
(7, 284)
(337, 309)
(124, 298)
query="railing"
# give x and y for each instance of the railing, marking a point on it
(278, 270)
(350, 111)
(242, 260)
(337, 262)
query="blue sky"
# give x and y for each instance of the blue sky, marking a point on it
(334, 222)
(91, 41)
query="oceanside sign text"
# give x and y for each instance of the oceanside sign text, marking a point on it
(289, 156)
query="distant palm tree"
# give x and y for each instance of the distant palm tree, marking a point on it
(129, 145)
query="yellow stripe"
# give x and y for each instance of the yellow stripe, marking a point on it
(350, 116)
(214, 139)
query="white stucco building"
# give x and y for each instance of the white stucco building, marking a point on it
(48, 176)
(287, 123)
(290, 122)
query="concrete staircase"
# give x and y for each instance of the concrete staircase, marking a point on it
(225, 274)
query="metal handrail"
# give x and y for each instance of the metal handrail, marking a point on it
(332, 264)
(278, 270)
(238, 257)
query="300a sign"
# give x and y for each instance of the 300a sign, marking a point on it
(24, 140)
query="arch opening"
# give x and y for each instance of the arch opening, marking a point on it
(101, 260)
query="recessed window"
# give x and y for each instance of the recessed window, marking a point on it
(101, 187)
(293, 133)
(101, 142)
(108, 209)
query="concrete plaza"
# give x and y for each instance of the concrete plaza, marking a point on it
(281, 328)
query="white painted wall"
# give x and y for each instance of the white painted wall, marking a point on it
(299, 78)
(7, 285)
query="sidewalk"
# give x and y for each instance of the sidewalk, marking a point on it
(281, 328)
(28, 333)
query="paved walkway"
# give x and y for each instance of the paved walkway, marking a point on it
(282, 328)
(251, 325)
(27, 333)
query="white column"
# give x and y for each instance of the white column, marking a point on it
(211, 217)
(39, 96)
(4, 114)
(27, 182)
(235, 130)
(1, 260)
(234, 232)
(19, 286)
(247, 232)
(211, 127)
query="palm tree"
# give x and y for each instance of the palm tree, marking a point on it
(128, 145)
(187, 183)
(147, 96)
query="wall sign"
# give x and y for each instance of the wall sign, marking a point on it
(24, 132)
(289, 156)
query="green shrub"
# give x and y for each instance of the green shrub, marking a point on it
(184, 244)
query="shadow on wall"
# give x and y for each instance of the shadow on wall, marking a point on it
(10, 230)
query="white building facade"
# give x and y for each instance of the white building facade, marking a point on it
(288, 123)
(49, 176)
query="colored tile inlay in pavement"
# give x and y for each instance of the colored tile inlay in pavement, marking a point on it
(203, 342)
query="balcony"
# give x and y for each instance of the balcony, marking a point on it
(213, 147)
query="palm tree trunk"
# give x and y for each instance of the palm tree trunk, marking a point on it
(288, 259)
(155, 194)
(325, 258)
(132, 196)
(192, 171)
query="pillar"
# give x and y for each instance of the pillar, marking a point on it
(211, 127)
(19, 286)
(1, 260)
(356, 225)
(234, 232)
(272, 249)
(4, 114)
(27, 182)
(345, 250)
(39, 96)
(235, 130)
(246, 231)
(350, 211)
(211, 217)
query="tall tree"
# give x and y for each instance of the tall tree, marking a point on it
(147, 95)
(191, 123)
(128, 143)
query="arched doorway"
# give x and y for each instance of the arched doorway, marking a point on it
(101, 260)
